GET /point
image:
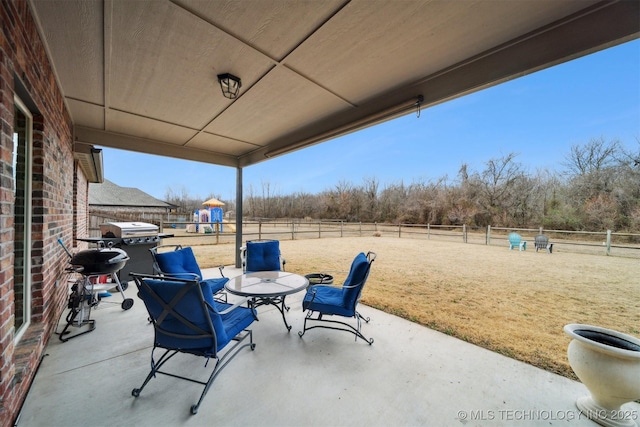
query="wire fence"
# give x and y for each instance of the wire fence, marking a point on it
(605, 243)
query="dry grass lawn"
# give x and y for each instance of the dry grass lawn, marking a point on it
(514, 303)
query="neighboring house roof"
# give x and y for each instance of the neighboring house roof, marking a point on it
(110, 194)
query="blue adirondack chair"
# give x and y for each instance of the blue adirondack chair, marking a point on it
(515, 241)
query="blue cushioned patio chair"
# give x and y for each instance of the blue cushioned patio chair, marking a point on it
(262, 255)
(176, 261)
(188, 320)
(327, 300)
(515, 241)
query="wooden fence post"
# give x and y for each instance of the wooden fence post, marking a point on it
(428, 231)
(464, 233)
(608, 242)
(488, 238)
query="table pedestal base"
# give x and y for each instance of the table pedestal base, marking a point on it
(277, 302)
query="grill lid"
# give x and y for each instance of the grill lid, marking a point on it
(128, 229)
(99, 261)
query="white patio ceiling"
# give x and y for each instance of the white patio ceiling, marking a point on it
(141, 75)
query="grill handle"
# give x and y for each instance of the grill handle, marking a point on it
(65, 248)
(118, 259)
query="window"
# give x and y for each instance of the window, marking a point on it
(21, 172)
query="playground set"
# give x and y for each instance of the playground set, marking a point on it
(209, 219)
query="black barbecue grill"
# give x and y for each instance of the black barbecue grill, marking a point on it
(135, 238)
(100, 261)
(92, 265)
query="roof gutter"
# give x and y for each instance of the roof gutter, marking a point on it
(90, 160)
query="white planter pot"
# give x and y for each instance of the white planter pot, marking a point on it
(608, 364)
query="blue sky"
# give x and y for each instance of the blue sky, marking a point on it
(539, 116)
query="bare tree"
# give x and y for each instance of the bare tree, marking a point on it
(597, 155)
(267, 200)
(600, 187)
(496, 185)
(370, 191)
(181, 198)
(250, 203)
(391, 202)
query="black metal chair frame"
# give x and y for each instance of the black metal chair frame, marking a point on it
(371, 256)
(168, 308)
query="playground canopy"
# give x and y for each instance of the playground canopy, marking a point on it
(213, 202)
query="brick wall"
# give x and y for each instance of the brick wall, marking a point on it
(56, 183)
(81, 208)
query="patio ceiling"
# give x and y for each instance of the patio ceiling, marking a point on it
(141, 75)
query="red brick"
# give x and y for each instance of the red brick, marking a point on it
(54, 199)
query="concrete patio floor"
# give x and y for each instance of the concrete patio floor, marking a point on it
(410, 376)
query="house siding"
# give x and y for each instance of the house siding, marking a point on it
(59, 200)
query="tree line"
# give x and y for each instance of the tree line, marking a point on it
(597, 188)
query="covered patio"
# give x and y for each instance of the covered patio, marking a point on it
(410, 376)
(144, 76)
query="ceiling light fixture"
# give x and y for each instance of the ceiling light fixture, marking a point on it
(230, 85)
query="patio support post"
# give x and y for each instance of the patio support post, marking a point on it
(239, 216)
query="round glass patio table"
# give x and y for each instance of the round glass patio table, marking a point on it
(267, 288)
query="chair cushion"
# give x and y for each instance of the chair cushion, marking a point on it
(217, 284)
(357, 276)
(188, 307)
(327, 300)
(235, 321)
(180, 263)
(340, 301)
(226, 326)
(263, 256)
